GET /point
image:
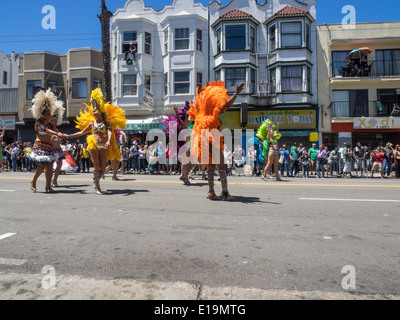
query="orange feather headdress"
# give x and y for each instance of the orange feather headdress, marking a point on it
(205, 112)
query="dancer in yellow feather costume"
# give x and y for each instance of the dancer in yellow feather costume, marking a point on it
(101, 120)
(211, 101)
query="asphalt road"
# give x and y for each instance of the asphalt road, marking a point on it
(295, 235)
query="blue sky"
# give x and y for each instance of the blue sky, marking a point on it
(77, 24)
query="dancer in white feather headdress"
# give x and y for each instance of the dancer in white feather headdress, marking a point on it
(45, 104)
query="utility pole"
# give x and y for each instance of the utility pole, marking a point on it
(105, 38)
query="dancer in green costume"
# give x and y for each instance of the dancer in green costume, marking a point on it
(269, 135)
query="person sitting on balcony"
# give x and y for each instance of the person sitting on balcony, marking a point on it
(363, 70)
(395, 111)
(350, 69)
(132, 50)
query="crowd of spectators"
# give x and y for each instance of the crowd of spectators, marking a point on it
(297, 161)
(343, 161)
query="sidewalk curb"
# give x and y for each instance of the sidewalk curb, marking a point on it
(32, 287)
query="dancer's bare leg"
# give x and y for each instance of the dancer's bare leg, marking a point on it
(49, 174)
(211, 193)
(186, 168)
(114, 165)
(39, 170)
(276, 167)
(57, 173)
(224, 180)
(97, 173)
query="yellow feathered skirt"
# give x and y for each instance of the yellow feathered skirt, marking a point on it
(112, 153)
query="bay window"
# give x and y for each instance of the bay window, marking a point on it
(235, 37)
(234, 76)
(292, 78)
(129, 85)
(291, 35)
(182, 82)
(182, 39)
(129, 37)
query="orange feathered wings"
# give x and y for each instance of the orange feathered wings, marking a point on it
(205, 112)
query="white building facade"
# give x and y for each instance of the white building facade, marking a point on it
(270, 46)
(8, 70)
(171, 58)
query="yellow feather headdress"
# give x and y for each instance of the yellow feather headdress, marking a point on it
(97, 100)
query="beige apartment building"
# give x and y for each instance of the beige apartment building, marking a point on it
(356, 106)
(72, 76)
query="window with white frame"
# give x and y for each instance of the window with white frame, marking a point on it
(308, 36)
(166, 41)
(96, 83)
(129, 37)
(79, 88)
(199, 79)
(129, 85)
(165, 84)
(5, 77)
(253, 77)
(308, 89)
(235, 37)
(32, 87)
(147, 42)
(181, 38)
(52, 85)
(291, 35)
(219, 40)
(182, 82)
(292, 78)
(115, 85)
(234, 76)
(252, 39)
(199, 40)
(272, 81)
(272, 44)
(147, 82)
(218, 75)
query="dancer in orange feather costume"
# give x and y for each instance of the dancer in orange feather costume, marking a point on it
(211, 101)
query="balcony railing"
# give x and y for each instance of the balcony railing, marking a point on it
(349, 109)
(377, 68)
(265, 88)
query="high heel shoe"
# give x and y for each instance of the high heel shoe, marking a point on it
(54, 184)
(49, 189)
(212, 196)
(226, 196)
(33, 187)
(115, 178)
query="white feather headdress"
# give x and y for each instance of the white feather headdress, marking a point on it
(43, 101)
(59, 113)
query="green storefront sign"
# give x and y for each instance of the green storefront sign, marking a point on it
(144, 126)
